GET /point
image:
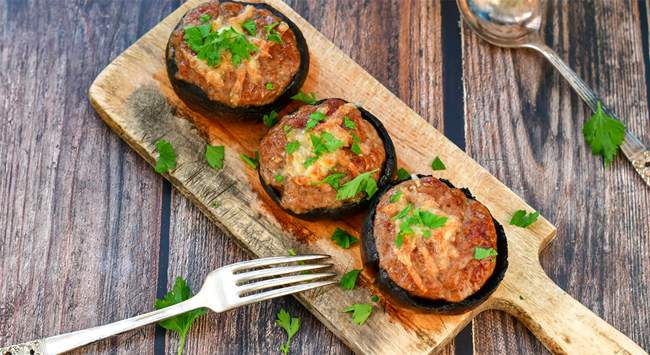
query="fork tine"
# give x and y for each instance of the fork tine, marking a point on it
(275, 260)
(282, 292)
(281, 281)
(277, 271)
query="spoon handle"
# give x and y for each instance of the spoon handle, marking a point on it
(637, 153)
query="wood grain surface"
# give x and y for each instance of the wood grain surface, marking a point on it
(61, 197)
(524, 125)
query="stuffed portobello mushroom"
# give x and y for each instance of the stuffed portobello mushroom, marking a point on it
(326, 160)
(236, 58)
(433, 246)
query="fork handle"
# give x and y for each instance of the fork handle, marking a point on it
(66, 342)
(632, 148)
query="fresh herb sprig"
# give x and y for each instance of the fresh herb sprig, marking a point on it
(349, 280)
(291, 326)
(482, 253)
(214, 155)
(309, 98)
(210, 45)
(604, 134)
(362, 183)
(181, 323)
(523, 219)
(167, 157)
(343, 238)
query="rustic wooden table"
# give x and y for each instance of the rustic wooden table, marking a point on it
(89, 234)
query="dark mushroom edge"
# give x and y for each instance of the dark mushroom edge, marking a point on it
(370, 258)
(387, 171)
(196, 98)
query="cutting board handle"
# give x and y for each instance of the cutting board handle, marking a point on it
(561, 323)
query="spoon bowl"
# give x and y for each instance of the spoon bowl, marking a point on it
(505, 23)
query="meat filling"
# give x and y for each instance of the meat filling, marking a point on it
(311, 154)
(255, 60)
(433, 241)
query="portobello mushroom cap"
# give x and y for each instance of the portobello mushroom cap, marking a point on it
(189, 76)
(372, 130)
(371, 260)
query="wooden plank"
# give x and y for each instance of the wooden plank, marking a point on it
(414, 76)
(245, 211)
(79, 211)
(524, 125)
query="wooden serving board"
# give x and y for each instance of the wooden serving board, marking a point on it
(131, 96)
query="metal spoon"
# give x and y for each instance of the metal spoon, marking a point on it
(516, 24)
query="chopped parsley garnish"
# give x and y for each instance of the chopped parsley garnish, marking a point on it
(269, 86)
(356, 138)
(334, 180)
(272, 34)
(348, 123)
(252, 162)
(314, 119)
(363, 182)
(405, 211)
(205, 18)
(482, 253)
(356, 149)
(250, 26)
(343, 238)
(523, 220)
(292, 146)
(290, 325)
(167, 157)
(349, 280)
(604, 134)
(395, 197)
(424, 220)
(270, 119)
(403, 174)
(325, 143)
(279, 178)
(309, 162)
(360, 312)
(181, 323)
(374, 298)
(209, 45)
(309, 99)
(437, 164)
(214, 155)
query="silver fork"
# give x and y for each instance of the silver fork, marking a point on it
(223, 289)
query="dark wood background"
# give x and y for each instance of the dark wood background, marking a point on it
(89, 234)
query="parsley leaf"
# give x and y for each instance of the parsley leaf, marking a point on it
(167, 157)
(269, 86)
(360, 312)
(432, 220)
(404, 211)
(403, 174)
(252, 162)
(482, 253)
(437, 164)
(292, 146)
(290, 326)
(363, 182)
(181, 323)
(521, 219)
(309, 162)
(334, 180)
(374, 298)
(279, 178)
(356, 149)
(348, 123)
(325, 143)
(306, 98)
(250, 26)
(343, 238)
(272, 34)
(604, 134)
(209, 45)
(270, 119)
(214, 155)
(349, 280)
(205, 18)
(314, 119)
(395, 197)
